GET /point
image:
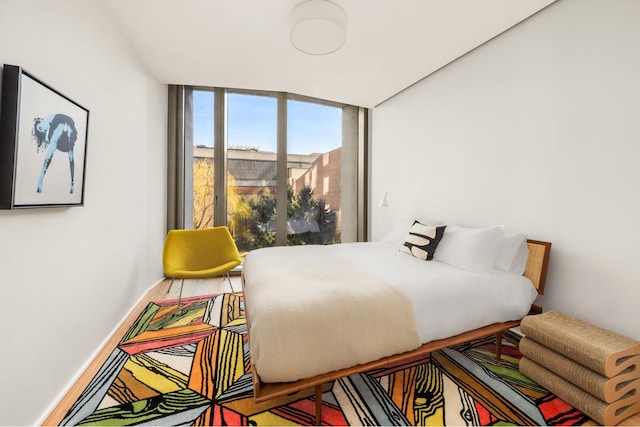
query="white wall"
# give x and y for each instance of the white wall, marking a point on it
(539, 130)
(69, 275)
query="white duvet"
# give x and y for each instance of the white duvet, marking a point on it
(316, 309)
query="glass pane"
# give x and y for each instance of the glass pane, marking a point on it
(251, 186)
(314, 145)
(203, 178)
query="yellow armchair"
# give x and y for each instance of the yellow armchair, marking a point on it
(198, 254)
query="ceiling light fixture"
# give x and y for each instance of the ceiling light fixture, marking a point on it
(318, 27)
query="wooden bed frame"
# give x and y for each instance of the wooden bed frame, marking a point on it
(536, 271)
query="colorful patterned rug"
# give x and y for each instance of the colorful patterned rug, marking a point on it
(190, 366)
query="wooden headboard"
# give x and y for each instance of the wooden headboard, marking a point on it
(537, 263)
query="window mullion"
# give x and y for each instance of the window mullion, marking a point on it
(281, 172)
(363, 174)
(220, 157)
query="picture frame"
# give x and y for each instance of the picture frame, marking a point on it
(43, 144)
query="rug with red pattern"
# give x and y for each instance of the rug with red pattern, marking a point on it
(189, 365)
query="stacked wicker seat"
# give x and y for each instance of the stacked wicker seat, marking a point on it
(595, 370)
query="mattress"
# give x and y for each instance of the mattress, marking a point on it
(315, 309)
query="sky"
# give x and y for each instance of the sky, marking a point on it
(252, 123)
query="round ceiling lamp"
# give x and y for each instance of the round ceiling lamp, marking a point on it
(318, 27)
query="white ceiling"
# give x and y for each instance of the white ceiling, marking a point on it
(390, 44)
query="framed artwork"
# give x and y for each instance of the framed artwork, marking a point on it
(43, 144)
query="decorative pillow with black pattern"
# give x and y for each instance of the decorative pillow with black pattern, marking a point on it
(422, 240)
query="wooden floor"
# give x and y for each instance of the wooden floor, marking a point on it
(161, 292)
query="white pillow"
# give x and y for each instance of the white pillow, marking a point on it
(473, 249)
(398, 232)
(519, 263)
(511, 243)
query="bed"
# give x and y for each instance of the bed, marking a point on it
(319, 313)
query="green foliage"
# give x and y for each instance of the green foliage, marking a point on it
(252, 220)
(317, 222)
(305, 208)
(264, 208)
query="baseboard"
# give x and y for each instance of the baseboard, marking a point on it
(92, 357)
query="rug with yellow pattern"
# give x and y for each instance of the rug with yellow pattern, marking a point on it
(189, 365)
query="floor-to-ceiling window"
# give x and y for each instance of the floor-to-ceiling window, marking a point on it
(314, 158)
(277, 169)
(252, 142)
